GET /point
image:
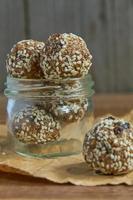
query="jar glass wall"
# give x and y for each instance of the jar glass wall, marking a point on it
(48, 118)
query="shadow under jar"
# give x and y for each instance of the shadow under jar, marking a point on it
(48, 118)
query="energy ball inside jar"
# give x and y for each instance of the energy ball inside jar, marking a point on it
(65, 56)
(71, 110)
(24, 60)
(32, 125)
(108, 146)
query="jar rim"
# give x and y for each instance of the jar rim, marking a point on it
(40, 88)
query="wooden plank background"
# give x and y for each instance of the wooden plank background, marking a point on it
(12, 29)
(107, 27)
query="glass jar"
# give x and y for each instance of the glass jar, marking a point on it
(48, 118)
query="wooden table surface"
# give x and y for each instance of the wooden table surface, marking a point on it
(13, 186)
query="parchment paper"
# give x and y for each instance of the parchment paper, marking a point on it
(70, 169)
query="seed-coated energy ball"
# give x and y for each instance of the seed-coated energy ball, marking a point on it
(65, 56)
(24, 60)
(32, 125)
(108, 146)
(69, 110)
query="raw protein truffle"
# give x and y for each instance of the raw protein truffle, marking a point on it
(24, 60)
(65, 56)
(69, 110)
(108, 146)
(32, 125)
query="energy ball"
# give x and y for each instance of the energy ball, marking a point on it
(69, 110)
(65, 56)
(32, 125)
(108, 146)
(24, 60)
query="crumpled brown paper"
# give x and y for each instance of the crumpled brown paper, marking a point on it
(70, 169)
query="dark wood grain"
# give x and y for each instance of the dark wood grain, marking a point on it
(52, 16)
(103, 27)
(94, 21)
(13, 186)
(11, 31)
(116, 104)
(3, 102)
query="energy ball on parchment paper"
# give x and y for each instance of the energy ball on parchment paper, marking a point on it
(24, 60)
(108, 146)
(65, 56)
(70, 110)
(32, 125)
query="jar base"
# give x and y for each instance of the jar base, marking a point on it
(50, 150)
(31, 155)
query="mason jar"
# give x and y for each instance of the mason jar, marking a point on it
(48, 118)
